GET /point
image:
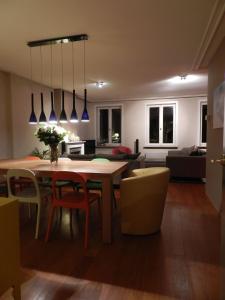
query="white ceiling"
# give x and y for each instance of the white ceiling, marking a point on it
(135, 46)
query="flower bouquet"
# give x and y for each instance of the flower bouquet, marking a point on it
(51, 136)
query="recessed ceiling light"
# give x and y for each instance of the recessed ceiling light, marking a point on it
(100, 84)
(184, 78)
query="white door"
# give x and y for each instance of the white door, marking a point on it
(221, 161)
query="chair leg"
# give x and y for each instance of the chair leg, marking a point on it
(86, 234)
(29, 210)
(50, 219)
(38, 220)
(60, 192)
(71, 222)
(99, 208)
(60, 215)
(114, 200)
(16, 292)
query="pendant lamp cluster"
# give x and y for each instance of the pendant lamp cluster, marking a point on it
(63, 117)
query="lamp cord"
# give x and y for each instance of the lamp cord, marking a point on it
(51, 68)
(62, 63)
(41, 65)
(31, 71)
(73, 65)
(84, 68)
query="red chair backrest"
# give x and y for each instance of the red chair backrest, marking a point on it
(68, 176)
(121, 149)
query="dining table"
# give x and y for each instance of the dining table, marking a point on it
(91, 170)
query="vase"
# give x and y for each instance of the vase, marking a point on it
(54, 154)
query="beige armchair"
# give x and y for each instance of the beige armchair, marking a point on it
(143, 199)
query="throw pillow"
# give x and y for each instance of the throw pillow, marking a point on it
(197, 152)
(188, 150)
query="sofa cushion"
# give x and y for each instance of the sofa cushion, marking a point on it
(188, 150)
(81, 156)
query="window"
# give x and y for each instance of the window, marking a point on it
(161, 125)
(109, 125)
(203, 123)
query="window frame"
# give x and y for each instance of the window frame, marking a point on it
(161, 105)
(109, 107)
(201, 104)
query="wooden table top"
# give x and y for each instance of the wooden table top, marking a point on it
(111, 168)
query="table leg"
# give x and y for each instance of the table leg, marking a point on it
(107, 210)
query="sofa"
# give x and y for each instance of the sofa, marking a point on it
(135, 160)
(187, 162)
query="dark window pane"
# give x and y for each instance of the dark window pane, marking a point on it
(104, 126)
(154, 125)
(168, 124)
(116, 125)
(204, 123)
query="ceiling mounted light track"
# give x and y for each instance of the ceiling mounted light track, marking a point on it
(58, 40)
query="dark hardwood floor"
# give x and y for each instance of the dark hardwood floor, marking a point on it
(181, 262)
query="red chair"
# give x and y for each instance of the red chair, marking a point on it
(121, 150)
(71, 199)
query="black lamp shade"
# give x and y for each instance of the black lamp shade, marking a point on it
(85, 116)
(63, 117)
(42, 118)
(33, 119)
(74, 117)
(52, 117)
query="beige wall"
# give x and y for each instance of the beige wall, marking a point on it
(134, 122)
(15, 108)
(215, 136)
(5, 117)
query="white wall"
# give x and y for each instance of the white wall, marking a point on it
(5, 117)
(134, 122)
(19, 140)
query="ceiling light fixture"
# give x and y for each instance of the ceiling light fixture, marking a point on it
(42, 118)
(33, 118)
(100, 84)
(85, 116)
(183, 76)
(63, 117)
(73, 117)
(183, 79)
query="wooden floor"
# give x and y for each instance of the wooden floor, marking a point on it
(182, 262)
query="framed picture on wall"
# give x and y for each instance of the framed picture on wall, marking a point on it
(218, 106)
